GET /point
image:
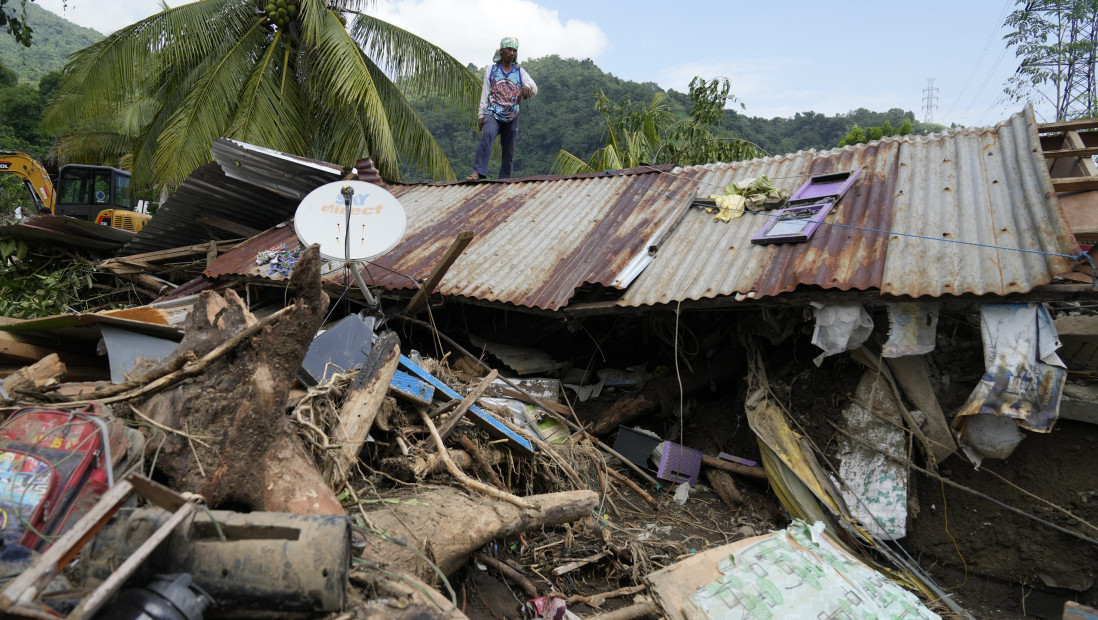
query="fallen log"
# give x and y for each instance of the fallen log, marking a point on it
(43, 373)
(253, 458)
(448, 525)
(726, 489)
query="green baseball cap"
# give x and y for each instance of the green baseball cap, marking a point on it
(511, 42)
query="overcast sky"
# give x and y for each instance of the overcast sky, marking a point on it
(781, 58)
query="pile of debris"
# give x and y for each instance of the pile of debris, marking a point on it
(641, 413)
(286, 471)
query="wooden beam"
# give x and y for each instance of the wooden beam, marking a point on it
(1083, 152)
(180, 252)
(1074, 184)
(456, 248)
(1075, 125)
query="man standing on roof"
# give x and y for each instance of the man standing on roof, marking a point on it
(505, 84)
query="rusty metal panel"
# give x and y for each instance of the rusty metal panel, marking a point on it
(964, 211)
(287, 175)
(535, 242)
(968, 192)
(983, 208)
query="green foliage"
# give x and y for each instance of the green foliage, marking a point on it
(15, 23)
(693, 141)
(36, 283)
(1054, 42)
(637, 135)
(13, 193)
(857, 136)
(8, 77)
(54, 39)
(633, 135)
(173, 83)
(20, 112)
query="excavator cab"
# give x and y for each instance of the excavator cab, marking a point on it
(83, 191)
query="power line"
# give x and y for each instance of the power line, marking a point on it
(998, 24)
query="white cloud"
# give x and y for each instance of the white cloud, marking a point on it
(470, 30)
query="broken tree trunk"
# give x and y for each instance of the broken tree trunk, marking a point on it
(447, 525)
(233, 442)
(360, 408)
(726, 488)
(43, 373)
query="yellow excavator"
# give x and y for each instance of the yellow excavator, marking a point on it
(93, 193)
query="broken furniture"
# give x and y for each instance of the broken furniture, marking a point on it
(18, 599)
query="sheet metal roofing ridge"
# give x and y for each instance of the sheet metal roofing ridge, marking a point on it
(290, 176)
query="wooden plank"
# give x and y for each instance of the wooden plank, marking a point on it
(1081, 213)
(411, 388)
(1083, 152)
(1082, 123)
(15, 347)
(360, 408)
(159, 255)
(464, 405)
(456, 248)
(482, 419)
(95, 600)
(1074, 184)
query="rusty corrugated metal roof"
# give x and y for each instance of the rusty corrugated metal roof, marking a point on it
(929, 216)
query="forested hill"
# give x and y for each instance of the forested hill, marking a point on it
(54, 39)
(563, 116)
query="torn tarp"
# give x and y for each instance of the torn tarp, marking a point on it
(1024, 378)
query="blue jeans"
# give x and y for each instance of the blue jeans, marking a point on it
(508, 133)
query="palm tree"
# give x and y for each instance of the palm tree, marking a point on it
(284, 74)
(633, 133)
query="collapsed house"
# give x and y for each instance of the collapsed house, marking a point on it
(875, 345)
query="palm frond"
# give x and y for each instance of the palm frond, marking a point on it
(567, 163)
(207, 110)
(422, 68)
(414, 140)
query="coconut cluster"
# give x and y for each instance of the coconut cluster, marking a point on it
(280, 12)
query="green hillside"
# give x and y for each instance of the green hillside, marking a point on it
(563, 116)
(54, 39)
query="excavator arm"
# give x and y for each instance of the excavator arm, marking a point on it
(34, 177)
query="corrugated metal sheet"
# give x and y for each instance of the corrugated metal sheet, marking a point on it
(947, 201)
(247, 188)
(68, 232)
(929, 216)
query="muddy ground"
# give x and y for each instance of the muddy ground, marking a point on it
(994, 555)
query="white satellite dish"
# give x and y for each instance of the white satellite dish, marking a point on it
(376, 223)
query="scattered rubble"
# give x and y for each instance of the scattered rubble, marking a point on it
(260, 440)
